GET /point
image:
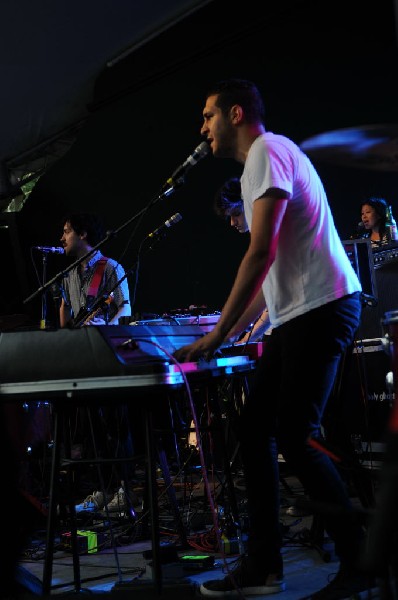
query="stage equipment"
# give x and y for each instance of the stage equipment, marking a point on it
(373, 147)
(50, 249)
(205, 322)
(95, 365)
(177, 177)
(386, 275)
(356, 417)
(161, 230)
(377, 269)
(379, 554)
(366, 402)
(390, 340)
(385, 255)
(361, 258)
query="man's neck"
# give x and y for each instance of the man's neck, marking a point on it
(246, 138)
(85, 262)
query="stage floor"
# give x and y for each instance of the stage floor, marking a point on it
(125, 567)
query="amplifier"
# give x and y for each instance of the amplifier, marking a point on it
(387, 300)
(377, 269)
(383, 256)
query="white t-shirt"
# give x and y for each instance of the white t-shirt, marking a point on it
(311, 266)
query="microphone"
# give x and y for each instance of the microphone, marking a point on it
(172, 221)
(178, 175)
(360, 225)
(49, 249)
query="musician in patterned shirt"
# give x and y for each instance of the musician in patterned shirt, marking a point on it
(96, 277)
(81, 233)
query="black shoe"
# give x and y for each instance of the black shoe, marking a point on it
(347, 584)
(244, 580)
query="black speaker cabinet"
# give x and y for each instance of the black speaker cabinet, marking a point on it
(387, 287)
(358, 413)
(377, 270)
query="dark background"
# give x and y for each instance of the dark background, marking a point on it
(320, 67)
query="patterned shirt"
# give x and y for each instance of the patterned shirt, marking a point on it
(77, 283)
(376, 243)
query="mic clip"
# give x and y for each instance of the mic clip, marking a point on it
(171, 185)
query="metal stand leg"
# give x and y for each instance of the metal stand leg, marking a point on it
(59, 422)
(152, 499)
(52, 507)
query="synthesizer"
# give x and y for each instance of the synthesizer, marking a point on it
(103, 357)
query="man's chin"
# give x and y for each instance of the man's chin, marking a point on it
(221, 152)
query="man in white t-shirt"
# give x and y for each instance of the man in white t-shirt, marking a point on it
(296, 261)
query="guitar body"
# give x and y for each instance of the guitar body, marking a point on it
(87, 314)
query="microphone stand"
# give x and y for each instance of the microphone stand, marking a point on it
(167, 190)
(43, 320)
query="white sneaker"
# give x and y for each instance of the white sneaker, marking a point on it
(93, 502)
(118, 502)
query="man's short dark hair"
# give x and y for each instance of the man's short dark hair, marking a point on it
(88, 223)
(242, 92)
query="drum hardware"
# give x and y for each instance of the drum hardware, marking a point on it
(373, 147)
(390, 382)
(388, 349)
(359, 410)
(382, 546)
(390, 342)
(377, 447)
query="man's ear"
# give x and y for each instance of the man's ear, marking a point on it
(236, 114)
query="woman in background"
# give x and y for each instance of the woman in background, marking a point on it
(374, 213)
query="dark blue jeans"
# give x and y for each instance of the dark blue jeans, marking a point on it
(291, 386)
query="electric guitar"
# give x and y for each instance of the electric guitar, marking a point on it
(85, 315)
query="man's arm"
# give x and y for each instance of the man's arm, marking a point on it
(267, 217)
(124, 311)
(64, 314)
(255, 310)
(262, 324)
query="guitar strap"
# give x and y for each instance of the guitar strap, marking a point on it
(92, 292)
(96, 279)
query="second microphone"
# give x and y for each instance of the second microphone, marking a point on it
(176, 218)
